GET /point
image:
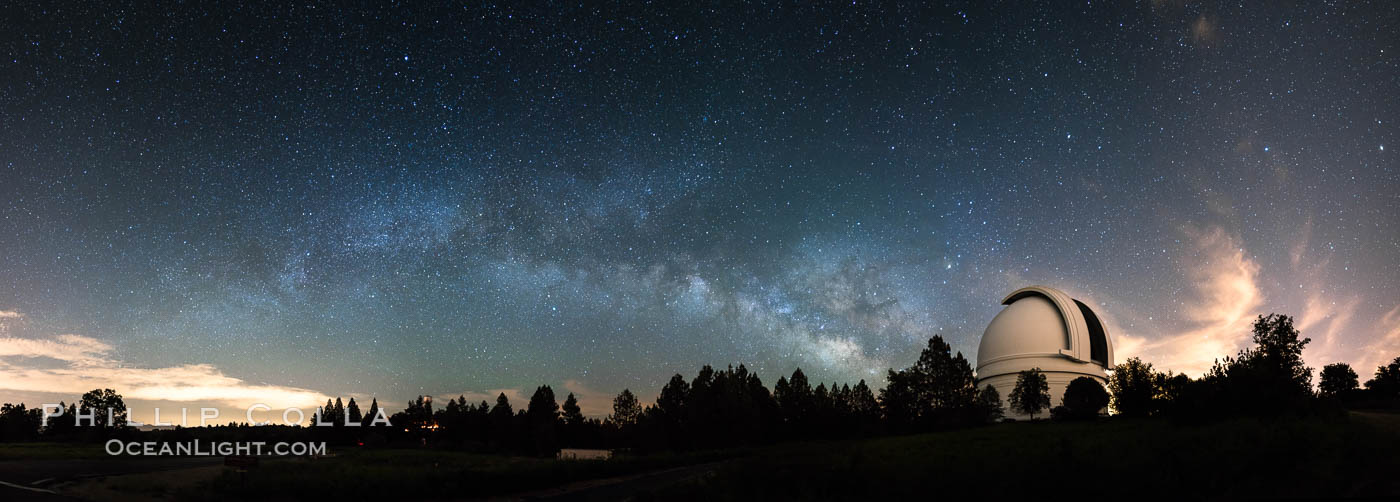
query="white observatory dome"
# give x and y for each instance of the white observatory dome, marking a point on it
(1041, 327)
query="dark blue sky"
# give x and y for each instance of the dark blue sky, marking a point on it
(400, 200)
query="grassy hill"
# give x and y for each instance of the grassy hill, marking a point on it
(1355, 455)
(1245, 458)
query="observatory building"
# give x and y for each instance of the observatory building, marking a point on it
(1042, 327)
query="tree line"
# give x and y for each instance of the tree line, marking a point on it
(732, 406)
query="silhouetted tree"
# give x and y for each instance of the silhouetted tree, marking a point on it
(573, 426)
(18, 423)
(841, 399)
(1280, 351)
(865, 409)
(823, 408)
(573, 414)
(670, 415)
(500, 419)
(453, 421)
(1032, 392)
(1266, 379)
(626, 410)
(323, 414)
(1170, 392)
(480, 422)
(502, 408)
(727, 407)
(1336, 379)
(106, 403)
(795, 402)
(419, 413)
(673, 397)
(1132, 388)
(900, 400)
(338, 416)
(1084, 398)
(939, 390)
(944, 384)
(989, 405)
(416, 418)
(753, 404)
(61, 426)
(373, 412)
(354, 412)
(1385, 385)
(543, 413)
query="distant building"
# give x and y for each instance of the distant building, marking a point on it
(1042, 327)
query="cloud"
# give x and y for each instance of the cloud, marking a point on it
(1327, 321)
(1205, 32)
(6, 315)
(592, 402)
(1225, 281)
(1384, 348)
(1336, 318)
(1327, 314)
(85, 363)
(70, 348)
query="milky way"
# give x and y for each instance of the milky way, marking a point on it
(443, 199)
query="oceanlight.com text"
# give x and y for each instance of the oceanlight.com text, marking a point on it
(197, 448)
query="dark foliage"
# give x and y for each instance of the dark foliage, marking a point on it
(1267, 379)
(108, 407)
(1032, 393)
(989, 405)
(1386, 382)
(938, 391)
(1336, 379)
(731, 407)
(1134, 388)
(18, 423)
(1084, 398)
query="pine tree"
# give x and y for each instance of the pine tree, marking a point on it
(373, 412)
(543, 415)
(338, 415)
(354, 412)
(796, 403)
(626, 409)
(863, 402)
(573, 415)
(500, 417)
(673, 397)
(900, 399)
(943, 382)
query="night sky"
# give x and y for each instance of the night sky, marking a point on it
(268, 203)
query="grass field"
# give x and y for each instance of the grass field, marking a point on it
(1242, 458)
(1116, 458)
(34, 451)
(391, 474)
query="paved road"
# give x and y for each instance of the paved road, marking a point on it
(31, 479)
